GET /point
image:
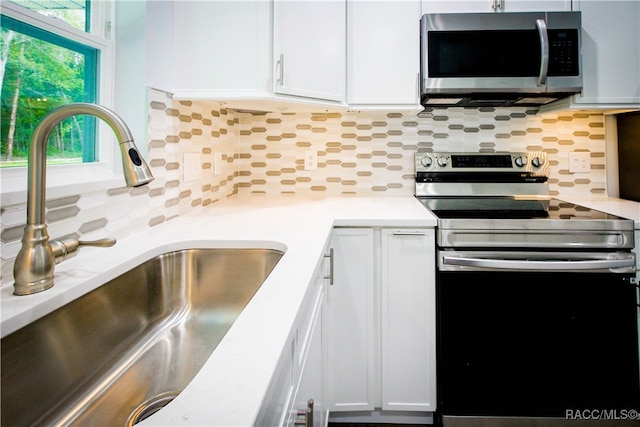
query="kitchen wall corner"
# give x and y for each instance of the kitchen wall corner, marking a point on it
(174, 128)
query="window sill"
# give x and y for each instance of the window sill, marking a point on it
(62, 181)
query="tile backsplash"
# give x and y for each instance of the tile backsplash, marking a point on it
(359, 154)
(372, 153)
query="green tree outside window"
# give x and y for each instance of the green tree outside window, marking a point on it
(40, 71)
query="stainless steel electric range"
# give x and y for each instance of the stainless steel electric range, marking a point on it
(536, 298)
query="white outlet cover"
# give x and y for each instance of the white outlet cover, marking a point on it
(310, 160)
(191, 167)
(579, 161)
(217, 164)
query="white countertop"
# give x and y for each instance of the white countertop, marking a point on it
(230, 387)
(612, 205)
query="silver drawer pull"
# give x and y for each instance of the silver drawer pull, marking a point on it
(408, 233)
(330, 276)
(307, 414)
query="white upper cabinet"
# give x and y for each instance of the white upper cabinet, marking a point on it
(610, 56)
(309, 48)
(383, 42)
(461, 6)
(260, 50)
(222, 49)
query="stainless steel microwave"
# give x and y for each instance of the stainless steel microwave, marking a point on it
(499, 59)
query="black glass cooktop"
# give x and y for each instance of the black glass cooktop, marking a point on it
(509, 208)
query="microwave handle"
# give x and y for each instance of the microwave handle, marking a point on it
(541, 25)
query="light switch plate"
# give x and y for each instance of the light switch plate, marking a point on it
(579, 161)
(191, 167)
(310, 160)
(217, 164)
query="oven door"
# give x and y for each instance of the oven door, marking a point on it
(536, 339)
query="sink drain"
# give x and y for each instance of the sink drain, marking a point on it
(150, 407)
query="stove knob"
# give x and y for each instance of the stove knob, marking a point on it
(443, 161)
(537, 162)
(519, 161)
(426, 161)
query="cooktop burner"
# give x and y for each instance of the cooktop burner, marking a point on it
(509, 208)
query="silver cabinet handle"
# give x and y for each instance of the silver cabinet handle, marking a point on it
(330, 276)
(541, 25)
(539, 265)
(307, 414)
(408, 233)
(281, 70)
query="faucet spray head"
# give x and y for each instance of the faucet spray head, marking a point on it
(136, 171)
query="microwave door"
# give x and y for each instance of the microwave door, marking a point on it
(500, 60)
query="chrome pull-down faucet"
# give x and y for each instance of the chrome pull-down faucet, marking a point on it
(34, 265)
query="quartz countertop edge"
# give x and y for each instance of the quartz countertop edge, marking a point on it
(230, 387)
(611, 205)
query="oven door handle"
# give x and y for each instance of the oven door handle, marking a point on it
(539, 265)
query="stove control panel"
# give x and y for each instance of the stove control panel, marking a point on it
(535, 162)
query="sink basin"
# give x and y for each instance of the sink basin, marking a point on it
(121, 352)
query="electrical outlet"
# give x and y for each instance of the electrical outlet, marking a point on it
(310, 160)
(579, 161)
(191, 167)
(217, 164)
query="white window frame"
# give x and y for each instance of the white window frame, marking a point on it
(105, 173)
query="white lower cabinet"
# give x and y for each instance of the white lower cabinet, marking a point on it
(350, 320)
(408, 320)
(380, 321)
(308, 396)
(298, 377)
(364, 339)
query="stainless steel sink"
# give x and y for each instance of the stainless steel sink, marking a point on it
(123, 351)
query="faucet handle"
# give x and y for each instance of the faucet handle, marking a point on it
(63, 248)
(101, 243)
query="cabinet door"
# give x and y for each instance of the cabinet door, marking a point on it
(310, 386)
(309, 48)
(408, 317)
(535, 5)
(461, 6)
(222, 49)
(277, 400)
(465, 6)
(383, 42)
(350, 322)
(611, 53)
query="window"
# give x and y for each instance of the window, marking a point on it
(49, 57)
(74, 12)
